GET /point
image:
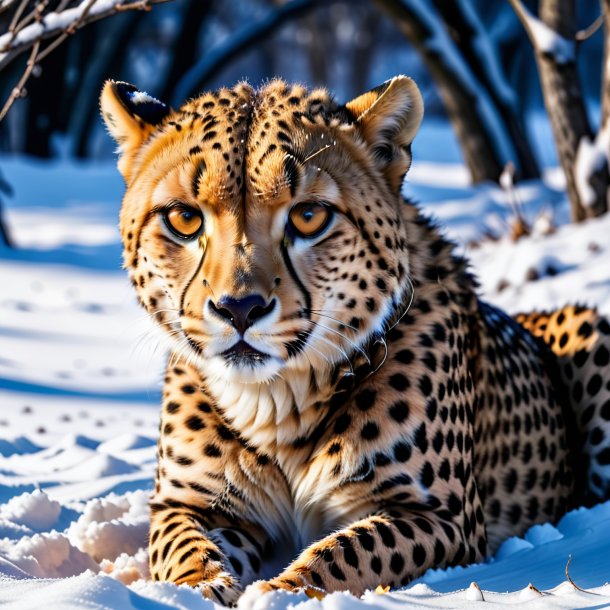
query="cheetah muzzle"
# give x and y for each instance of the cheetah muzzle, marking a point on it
(340, 409)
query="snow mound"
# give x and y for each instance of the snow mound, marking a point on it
(35, 511)
(98, 466)
(112, 526)
(49, 555)
(126, 442)
(19, 446)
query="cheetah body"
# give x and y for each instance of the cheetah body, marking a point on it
(372, 418)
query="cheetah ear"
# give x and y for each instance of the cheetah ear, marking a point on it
(130, 116)
(388, 118)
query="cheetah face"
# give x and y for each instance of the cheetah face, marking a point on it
(262, 229)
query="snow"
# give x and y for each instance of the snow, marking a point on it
(80, 374)
(547, 41)
(590, 158)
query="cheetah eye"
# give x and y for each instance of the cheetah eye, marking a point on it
(310, 218)
(183, 221)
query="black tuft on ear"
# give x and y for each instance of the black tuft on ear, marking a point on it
(141, 104)
(131, 116)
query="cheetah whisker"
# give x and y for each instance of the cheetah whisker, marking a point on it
(336, 332)
(340, 334)
(315, 154)
(343, 352)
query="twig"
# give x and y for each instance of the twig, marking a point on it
(570, 578)
(589, 31)
(16, 92)
(11, 46)
(34, 14)
(75, 25)
(15, 20)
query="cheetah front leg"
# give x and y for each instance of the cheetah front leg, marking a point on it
(190, 545)
(380, 550)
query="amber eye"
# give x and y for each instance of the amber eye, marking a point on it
(309, 219)
(183, 221)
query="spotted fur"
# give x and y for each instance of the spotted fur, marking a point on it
(369, 417)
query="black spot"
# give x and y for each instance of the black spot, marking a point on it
(399, 411)
(445, 470)
(594, 385)
(236, 565)
(419, 555)
(397, 563)
(585, 330)
(188, 389)
(602, 356)
(425, 385)
(421, 439)
(402, 452)
(454, 504)
(334, 448)
(510, 480)
(232, 538)
(367, 542)
(204, 406)
(212, 450)
(376, 564)
(366, 399)
(194, 423)
(224, 432)
(172, 407)
(342, 423)
(336, 571)
(399, 382)
(404, 528)
(431, 409)
(386, 534)
(370, 431)
(405, 356)
(427, 475)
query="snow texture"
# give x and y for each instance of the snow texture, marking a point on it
(80, 371)
(590, 158)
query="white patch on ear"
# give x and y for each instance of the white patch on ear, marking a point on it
(141, 97)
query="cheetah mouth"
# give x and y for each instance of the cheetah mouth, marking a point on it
(243, 353)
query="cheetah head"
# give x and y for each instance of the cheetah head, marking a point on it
(262, 228)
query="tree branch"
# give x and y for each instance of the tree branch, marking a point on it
(240, 42)
(59, 23)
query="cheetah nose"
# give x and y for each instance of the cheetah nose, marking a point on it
(242, 313)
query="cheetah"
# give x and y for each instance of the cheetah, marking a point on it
(340, 409)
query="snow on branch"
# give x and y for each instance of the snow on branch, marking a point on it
(37, 25)
(544, 39)
(31, 24)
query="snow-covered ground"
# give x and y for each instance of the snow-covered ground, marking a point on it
(80, 371)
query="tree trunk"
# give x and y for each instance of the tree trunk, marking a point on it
(606, 65)
(555, 51)
(480, 130)
(474, 44)
(185, 46)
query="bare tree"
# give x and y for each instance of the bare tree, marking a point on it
(471, 84)
(582, 154)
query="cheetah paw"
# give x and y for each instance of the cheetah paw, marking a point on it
(249, 600)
